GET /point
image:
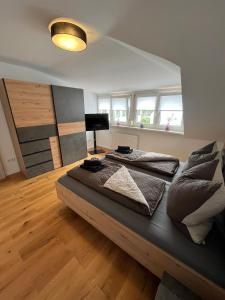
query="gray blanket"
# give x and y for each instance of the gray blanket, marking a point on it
(151, 188)
(157, 162)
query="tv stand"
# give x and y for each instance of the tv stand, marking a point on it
(96, 151)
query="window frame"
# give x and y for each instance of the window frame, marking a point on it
(175, 128)
(128, 99)
(132, 109)
(103, 97)
(145, 94)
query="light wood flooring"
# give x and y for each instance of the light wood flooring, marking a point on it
(49, 252)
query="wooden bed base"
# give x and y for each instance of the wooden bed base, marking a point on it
(150, 256)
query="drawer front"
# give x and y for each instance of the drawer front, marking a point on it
(35, 146)
(39, 169)
(26, 134)
(37, 158)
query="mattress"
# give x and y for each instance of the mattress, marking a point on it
(208, 260)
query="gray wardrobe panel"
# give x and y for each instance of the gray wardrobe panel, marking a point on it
(69, 104)
(39, 169)
(73, 147)
(37, 158)
(35, 146)
(26, 134)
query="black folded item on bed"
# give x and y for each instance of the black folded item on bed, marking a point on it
(151, 188)
(92, 162)
(124, 149)
(92, 165)
(93, 169)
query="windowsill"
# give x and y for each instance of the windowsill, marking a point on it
(149, 129)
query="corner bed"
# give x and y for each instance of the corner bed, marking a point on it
(154, 242)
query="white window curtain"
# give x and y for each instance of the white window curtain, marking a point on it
(171, 112)
(145, 110)
(103, 105)
(120, 110)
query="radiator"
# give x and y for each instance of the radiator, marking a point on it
(124, 140)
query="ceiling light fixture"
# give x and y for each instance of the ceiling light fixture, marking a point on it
(67, 35)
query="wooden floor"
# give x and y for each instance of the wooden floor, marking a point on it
(49, 252)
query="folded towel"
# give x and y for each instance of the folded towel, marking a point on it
(92, 169)
(92, 162)
(124, 150)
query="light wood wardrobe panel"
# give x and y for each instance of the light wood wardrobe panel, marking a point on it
(31, 103)
(70, 128)
(56, 154)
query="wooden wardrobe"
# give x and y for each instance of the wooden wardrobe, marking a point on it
(46, 124)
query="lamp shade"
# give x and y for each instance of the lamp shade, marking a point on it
(68, 36)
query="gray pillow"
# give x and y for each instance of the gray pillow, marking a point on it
(220, 226)
(212, 147)
(197, 159)
(194, 199)
(223, 162)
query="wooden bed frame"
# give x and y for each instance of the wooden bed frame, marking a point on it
(150, 256)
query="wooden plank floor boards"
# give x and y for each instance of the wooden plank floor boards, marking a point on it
(49, 252)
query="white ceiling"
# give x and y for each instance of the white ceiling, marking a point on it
(107, 65)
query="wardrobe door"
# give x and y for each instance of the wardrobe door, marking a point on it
(33, 114)
(69, 108)
(31, 103)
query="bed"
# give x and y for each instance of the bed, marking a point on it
(154, 242)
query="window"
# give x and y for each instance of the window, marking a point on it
(155, 109)
(145, 110)
(171, 112)
(104, 105)
(120, 110)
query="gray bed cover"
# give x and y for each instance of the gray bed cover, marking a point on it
(208, 260)
(150, 172)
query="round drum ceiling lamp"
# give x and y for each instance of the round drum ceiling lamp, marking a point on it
(67, 35)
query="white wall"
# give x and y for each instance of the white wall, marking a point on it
(7, 152)
(163, 142)
(90, 106)
(192, 35)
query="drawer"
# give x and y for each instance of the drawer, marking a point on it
(39, 169)
(26, 134)
(35, 146)
(37, 158)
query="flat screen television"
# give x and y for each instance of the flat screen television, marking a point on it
(96, 122)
